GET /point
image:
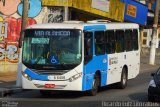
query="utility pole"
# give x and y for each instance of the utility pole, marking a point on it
(154, 35)
(23, 27)
(24, 19)
(66, 12)
(25, 14)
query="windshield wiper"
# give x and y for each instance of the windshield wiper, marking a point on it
(65, 66)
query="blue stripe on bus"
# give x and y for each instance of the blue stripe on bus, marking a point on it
(95, 27)
(98, 63)
(36, 76)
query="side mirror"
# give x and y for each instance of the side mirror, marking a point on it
(152, 74)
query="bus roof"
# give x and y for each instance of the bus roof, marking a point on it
(85, 26)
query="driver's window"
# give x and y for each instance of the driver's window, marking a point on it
(88, 47)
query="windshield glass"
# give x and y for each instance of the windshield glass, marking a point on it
(56, 48)
(158, 72)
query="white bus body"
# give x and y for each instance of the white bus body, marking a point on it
(76, 70)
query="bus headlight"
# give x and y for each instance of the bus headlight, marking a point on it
(26, 76)
(74, 77)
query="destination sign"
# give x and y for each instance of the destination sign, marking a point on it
(40, 41)
(52, 33)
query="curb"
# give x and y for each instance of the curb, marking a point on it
(5, 92)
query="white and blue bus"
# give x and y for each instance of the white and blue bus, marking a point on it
(79, 56)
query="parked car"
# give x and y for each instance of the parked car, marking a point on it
(154, 87)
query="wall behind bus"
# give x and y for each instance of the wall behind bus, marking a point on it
(146, 41)
(10, 27)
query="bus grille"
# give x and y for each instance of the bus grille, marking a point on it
(55, 72)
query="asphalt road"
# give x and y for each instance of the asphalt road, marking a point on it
(136, 91)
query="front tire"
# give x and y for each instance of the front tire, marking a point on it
(123, 83)
(95, 85)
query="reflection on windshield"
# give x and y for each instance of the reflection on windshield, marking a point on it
(158, 72)
(51, 50)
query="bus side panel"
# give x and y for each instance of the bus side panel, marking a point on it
(135, 65)
(98, 63)
(133, 60)
(116, 63)
(113, 69)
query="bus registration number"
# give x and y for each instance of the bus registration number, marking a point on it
(57, 77)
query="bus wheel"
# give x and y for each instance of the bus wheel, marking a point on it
(123, 83)
(95, 85)
(45, 92)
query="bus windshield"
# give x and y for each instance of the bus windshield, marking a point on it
(52, 48)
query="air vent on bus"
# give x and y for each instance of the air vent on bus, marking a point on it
(99, 21)
(73, 21)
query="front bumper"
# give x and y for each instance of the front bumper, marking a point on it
(58, 85)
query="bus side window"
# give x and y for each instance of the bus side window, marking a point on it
(88, 49)
(99, 43)
(110, 41)
(128, 41)
(135, 39)
(119, 41)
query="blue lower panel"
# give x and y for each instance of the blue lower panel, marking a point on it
(89, 70)
(87, 82)
(103, 78)
(36, 76)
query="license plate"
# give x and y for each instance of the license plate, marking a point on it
(49, 85)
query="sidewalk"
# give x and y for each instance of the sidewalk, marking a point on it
(144, 65)
(145, 62)
(8, 84)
